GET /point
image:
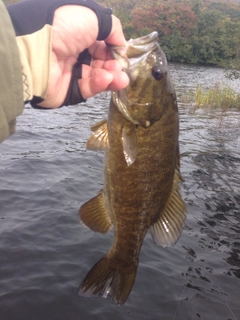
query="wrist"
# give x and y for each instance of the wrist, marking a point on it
(35, 56)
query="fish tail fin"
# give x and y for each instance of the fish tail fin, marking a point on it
(108, 279)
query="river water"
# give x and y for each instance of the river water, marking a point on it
(46, 174)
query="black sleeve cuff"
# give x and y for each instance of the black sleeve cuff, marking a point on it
(30, 16)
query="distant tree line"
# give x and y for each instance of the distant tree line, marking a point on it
(198, 32)
(190, 31)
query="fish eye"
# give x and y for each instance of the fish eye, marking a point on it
(156, 72)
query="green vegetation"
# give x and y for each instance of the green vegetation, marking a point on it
(198, 31)
(219, 96)
(190, 31)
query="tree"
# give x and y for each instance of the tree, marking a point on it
(165, 17)
(212, 41)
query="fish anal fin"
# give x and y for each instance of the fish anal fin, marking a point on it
(166, 231)
(130, 143)
(94, 215)
(99, 139)
(108, 280)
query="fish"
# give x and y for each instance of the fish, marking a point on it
(141, 169)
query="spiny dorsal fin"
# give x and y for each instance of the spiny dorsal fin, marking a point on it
(168, 228)
(99, 139)
(94, 215)
(130, 143)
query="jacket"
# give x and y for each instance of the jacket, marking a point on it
(11, 87)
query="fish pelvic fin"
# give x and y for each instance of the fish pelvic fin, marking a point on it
(130, 143)
(94, 214)
(108, 279)
(166, 231)
(99, 139)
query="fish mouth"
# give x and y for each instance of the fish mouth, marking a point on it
(134, 49)
(138, 49)
(144, 44)
(138, 58)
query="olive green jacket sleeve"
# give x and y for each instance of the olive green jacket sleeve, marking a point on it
(11, 87)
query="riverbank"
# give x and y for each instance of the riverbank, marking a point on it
(220, 96)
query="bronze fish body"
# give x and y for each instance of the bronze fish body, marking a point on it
(142, 174)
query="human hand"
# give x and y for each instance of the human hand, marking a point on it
(52, 37)
(74, 29)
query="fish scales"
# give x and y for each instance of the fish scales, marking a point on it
(141, 170)
(147, 186)
(146, 182)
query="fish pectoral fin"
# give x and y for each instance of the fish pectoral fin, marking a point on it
(99, 139)
(166, 231)
(108, 280)
(94, 215)
(130, 143)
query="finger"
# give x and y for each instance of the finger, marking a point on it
(119, 82)
(110, 65)
(101, 80)
(116, 36)
(99, 51)
(120, 78)
(97, 82)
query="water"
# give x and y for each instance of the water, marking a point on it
(45, 252)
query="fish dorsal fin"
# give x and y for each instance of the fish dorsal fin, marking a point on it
(168, 228)
(94, 215)
(130, 143)
(99, 139)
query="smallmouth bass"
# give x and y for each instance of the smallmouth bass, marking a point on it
(142, 169)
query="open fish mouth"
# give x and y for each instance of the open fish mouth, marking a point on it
(146, 43)
(145, 63)
(134, 50)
